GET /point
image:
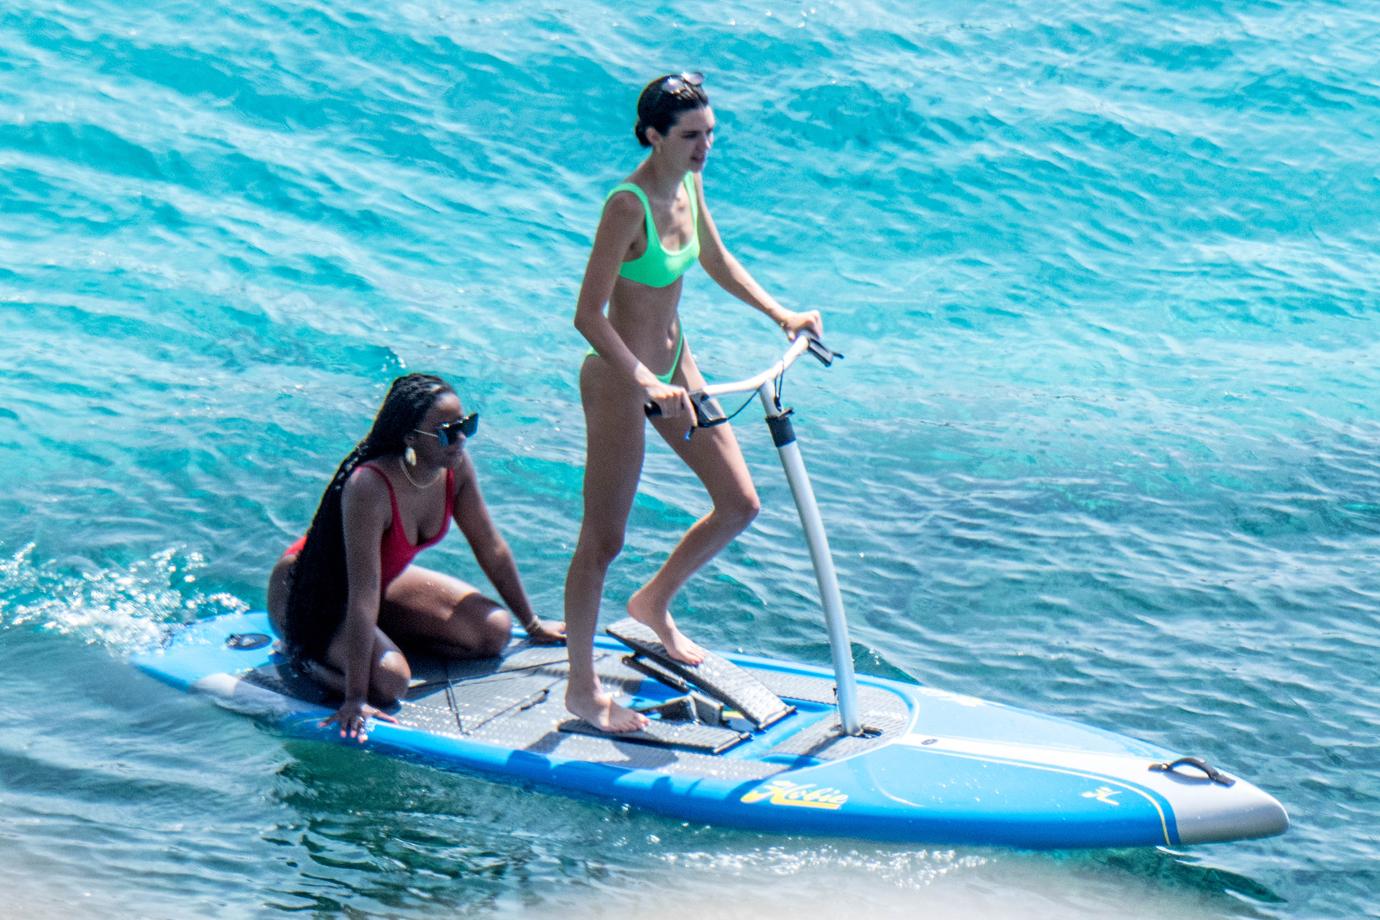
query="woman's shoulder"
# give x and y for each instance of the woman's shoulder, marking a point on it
(625, 210)
(625, 198)
(367, 481)
(366, 500)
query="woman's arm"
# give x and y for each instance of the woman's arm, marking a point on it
(364, 511)
(730, 275)
(619, 227)
(494, 556)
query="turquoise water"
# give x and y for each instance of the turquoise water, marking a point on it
(1104, 443)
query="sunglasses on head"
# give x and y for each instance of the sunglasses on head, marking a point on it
(447, 433)
(675, 84)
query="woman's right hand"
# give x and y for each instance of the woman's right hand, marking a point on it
(352, 716)
(672, 400)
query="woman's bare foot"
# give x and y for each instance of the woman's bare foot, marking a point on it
(678, 645)
(598, 709)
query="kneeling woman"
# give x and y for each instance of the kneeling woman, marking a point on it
(346, 596)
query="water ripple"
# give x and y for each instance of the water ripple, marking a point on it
(1103, 443)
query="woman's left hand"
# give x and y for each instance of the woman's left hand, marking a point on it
(806, 321)
(546, 632)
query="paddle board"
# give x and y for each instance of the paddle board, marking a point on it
(755, 743)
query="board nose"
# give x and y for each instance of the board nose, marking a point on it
(1239, 813)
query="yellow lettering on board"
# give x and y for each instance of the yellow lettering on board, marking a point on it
(797, 795)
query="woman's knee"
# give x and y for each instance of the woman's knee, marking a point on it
(494, 633)
(599, 549)
(390, 678)
(476, 626)
(739, 510)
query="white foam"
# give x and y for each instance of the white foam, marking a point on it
(125, 609)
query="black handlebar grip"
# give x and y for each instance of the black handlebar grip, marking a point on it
(708, 412)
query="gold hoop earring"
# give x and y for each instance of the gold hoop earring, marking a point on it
(410, 457)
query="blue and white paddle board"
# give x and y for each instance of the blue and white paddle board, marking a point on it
(934, 767)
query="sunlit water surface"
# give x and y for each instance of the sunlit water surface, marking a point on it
(1104, 443)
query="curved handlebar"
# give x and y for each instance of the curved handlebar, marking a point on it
(803, 342)
(707, 410)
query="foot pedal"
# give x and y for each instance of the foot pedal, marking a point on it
(705, 739)
(714, 676)
(656, 672)
(692, 707)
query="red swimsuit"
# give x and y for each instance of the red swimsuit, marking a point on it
(396, 552)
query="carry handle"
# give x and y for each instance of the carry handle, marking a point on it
(1212, 773)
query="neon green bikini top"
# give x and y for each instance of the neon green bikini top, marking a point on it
(657, 267)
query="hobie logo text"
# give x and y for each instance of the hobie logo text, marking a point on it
(798, 795)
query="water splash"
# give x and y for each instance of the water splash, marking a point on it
(125, 610)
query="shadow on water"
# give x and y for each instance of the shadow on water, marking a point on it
(353, 825)
(1191, 871)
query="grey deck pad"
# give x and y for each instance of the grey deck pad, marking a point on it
(716, 676)
(476, 702)
(883, 713)
(516, 701)
(290, 680)
(688, 735)
(801, 687)
(431, 673)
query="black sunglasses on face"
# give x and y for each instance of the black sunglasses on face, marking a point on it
(448, 432)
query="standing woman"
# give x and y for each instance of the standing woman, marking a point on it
(654, 225)
(346, 595)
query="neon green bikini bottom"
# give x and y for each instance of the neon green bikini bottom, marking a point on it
(675, 362)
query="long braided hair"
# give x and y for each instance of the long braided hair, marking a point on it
(319, 587)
